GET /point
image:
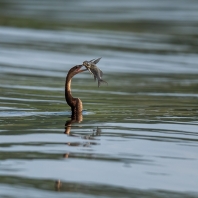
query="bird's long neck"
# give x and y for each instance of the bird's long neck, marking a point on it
(68, 96)
(74, 103)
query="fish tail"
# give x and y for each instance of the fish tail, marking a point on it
(101, 81)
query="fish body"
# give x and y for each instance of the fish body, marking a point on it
(93, 69)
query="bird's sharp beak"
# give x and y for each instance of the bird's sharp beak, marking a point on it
(79, 69)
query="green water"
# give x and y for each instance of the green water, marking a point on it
(137, 136)
(142, 129)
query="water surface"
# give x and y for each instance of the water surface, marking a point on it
(138, 135)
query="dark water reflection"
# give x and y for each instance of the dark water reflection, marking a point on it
(137, 137)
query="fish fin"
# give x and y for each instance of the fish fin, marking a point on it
(101, 73)
(97, 60)
(92, 60)
(101, 81)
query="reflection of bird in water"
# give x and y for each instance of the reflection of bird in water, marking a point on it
(58, 185)
(68, 125)
(74, 103)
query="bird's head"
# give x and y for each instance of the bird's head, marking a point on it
(75, 70)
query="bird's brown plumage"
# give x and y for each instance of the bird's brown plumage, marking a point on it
(74, 103)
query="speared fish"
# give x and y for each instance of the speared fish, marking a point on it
(93, 69)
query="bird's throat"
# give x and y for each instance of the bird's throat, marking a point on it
(68, 96)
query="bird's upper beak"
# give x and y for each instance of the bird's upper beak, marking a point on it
(79, 70)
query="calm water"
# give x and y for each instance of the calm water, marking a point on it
(138, 136)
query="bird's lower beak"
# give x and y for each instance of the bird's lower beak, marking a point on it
(81, 70)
